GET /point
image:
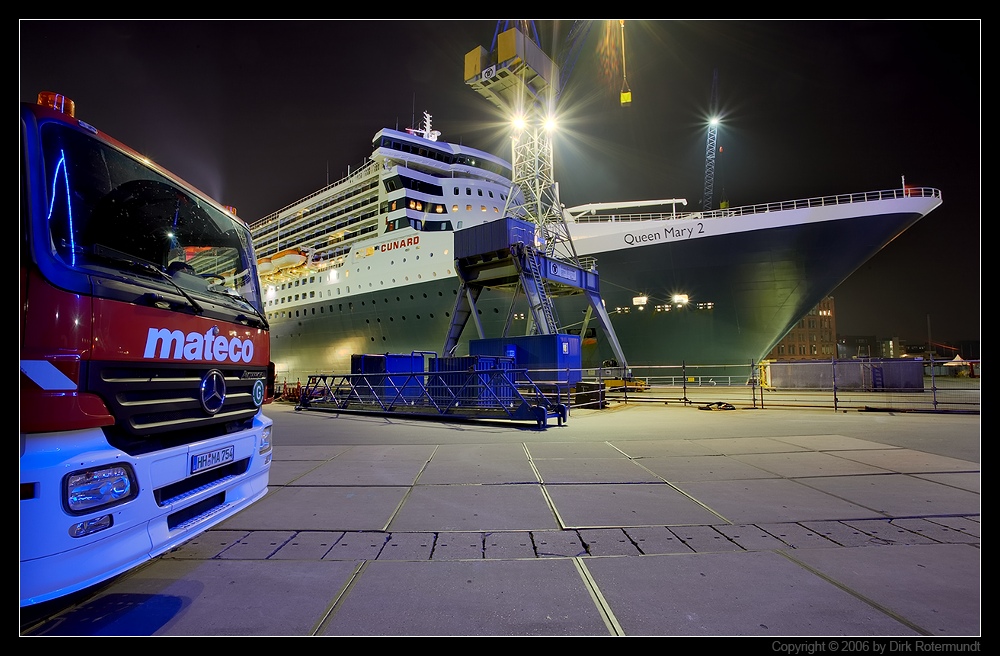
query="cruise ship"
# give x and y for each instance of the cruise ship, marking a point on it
(367, 265)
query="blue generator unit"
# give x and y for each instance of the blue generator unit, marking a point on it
(548, 359)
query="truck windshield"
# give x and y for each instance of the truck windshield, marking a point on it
(103, 200)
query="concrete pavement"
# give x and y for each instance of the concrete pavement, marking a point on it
(635, 520)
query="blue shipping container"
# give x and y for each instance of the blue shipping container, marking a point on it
(389, 388)
(493, 237)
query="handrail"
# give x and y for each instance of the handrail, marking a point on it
(362, 172)
(749, 210)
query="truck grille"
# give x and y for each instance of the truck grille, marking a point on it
(156, 407)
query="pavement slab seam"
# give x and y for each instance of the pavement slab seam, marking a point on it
(857, 595)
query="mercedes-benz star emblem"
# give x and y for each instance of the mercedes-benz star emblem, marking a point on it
(213, 391)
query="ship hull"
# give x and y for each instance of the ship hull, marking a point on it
(745, 290)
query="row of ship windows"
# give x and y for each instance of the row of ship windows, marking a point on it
(468, 192)
(340, 308)
(447, 158)
(349, 306)
(418, 205)
(291, 298)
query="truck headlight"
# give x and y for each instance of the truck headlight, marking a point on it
(265, 441)
(91, 489)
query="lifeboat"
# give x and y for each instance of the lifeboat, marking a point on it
(291, 257)
(264, 265)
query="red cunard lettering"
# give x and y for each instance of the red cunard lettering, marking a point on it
(400, 243)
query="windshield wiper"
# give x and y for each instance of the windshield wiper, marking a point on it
(232, 295)
(119, 257)
(259, 319)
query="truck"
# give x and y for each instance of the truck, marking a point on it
(144, 358)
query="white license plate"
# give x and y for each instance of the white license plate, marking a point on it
(213, 459)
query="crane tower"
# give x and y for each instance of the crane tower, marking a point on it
(521, 80)
(710, 146)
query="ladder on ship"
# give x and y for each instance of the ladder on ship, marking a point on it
(500, 254)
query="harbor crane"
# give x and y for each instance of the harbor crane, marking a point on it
(710, 146)
(517, 77)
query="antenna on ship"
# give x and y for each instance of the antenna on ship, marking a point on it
(425, 131)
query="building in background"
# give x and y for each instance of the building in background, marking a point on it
(814, 338)
(865, 346)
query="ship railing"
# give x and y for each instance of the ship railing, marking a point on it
(749, 210)
(359, 174)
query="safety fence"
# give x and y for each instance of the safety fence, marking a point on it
(898, 385)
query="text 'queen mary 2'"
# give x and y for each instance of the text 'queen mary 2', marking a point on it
(367, 265)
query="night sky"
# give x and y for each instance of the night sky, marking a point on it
(259, 114)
